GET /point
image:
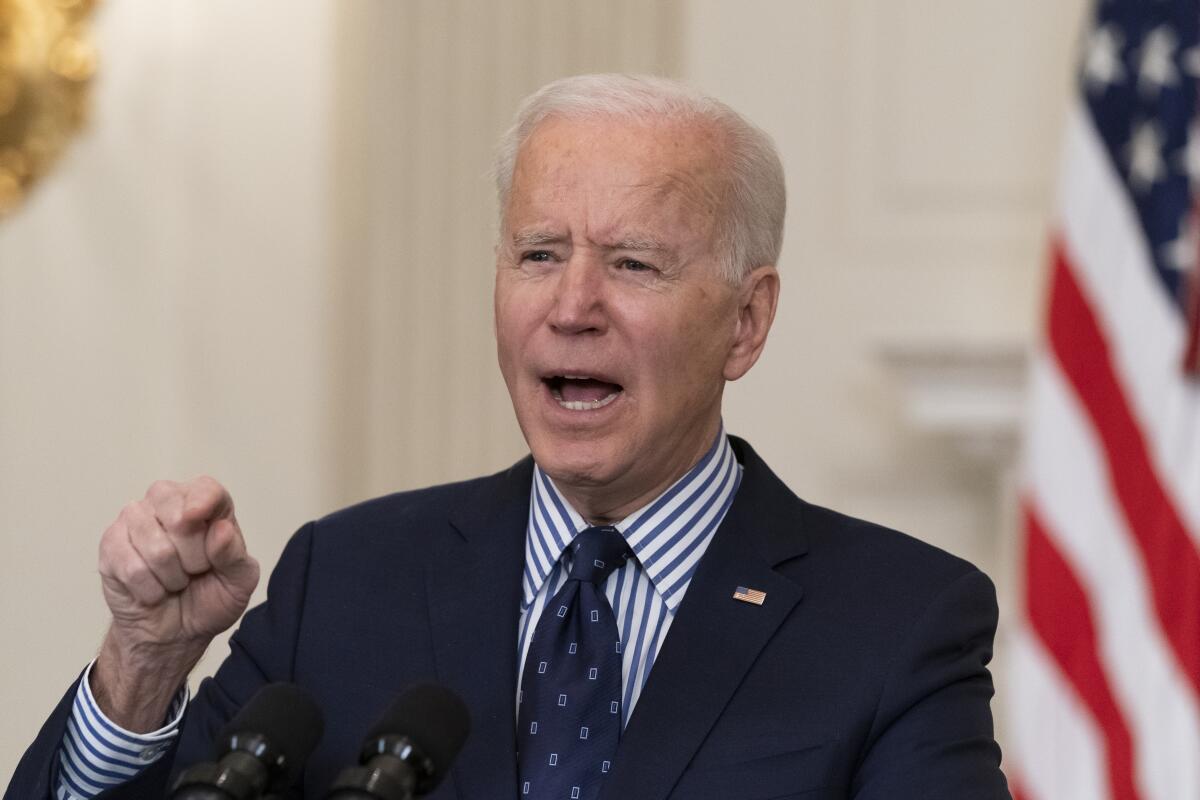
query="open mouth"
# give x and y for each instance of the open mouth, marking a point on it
(582, 392)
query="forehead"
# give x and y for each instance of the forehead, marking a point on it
(612, 172)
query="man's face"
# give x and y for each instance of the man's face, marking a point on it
(613, 327)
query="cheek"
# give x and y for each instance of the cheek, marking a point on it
(680, 361)
(508, 339)
(517, 321)
(704, 335)
(512, 309)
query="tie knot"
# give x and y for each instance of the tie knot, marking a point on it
(598, 551)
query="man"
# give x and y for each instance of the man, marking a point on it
(720, 638)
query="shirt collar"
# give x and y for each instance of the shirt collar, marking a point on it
(661, 533)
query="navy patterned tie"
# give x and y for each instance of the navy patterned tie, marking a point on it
(570, 711)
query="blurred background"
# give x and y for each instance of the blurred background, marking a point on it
(266, 255)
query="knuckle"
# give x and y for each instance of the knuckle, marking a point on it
(135, 514)
(207, 482)
(204, 495)
(199, 505)
(170, 515)
(110, 543)
(159, 551)
(160, 488)
(109, 537)
(127, 513)
(214, 491)
(137, 573)
(119, 571)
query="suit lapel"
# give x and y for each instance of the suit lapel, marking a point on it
(714, 638)
(474, 584)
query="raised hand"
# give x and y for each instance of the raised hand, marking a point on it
(175, 573)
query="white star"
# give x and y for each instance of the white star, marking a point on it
(1191, 61)
(1146, 166)
(1187, 158)
(1102, 62)
(1156, 64)
(1182, 253)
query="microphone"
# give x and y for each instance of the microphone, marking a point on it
(260, 751)
(410, 749)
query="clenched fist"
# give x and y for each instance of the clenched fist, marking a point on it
(175, 573)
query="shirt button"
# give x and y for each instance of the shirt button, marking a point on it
(152, 752)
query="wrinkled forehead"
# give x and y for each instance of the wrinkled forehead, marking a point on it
(622, 170)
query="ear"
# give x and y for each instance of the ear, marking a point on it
(757, 298)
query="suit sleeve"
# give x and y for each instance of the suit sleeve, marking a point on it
(262, 651)
(932, 734)
(33, 777)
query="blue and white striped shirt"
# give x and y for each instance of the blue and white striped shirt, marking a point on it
(96, 754)
(667, 537)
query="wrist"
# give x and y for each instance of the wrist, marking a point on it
(133, 684)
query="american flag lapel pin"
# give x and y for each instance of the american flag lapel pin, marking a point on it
(749, 595)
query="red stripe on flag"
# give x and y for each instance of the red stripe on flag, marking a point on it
(1061, 616)
(1168, 555)
(1015, 788)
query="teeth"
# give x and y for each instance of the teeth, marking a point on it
(583, 405)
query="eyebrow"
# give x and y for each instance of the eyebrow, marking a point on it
(635, 242)
(535, 238)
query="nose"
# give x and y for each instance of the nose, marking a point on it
(579, 297)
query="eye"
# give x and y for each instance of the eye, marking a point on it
(537, 256)
(633, 265)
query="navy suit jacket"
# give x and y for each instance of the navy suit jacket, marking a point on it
(862, 675)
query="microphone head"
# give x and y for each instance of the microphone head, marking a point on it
(434, 719)
(281, 722)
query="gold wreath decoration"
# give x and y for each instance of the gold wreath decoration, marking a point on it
(46, 65)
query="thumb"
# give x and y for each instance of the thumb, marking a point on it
(226, 550)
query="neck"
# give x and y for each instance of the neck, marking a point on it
(606, 505)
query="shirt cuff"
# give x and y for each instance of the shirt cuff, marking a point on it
(97, 754)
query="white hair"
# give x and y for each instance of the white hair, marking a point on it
(755, 198)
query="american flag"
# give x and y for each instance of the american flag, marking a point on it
(749, 595)
(1105, 655)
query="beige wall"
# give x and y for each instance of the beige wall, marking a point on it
(163, 312)
(268, 258)
(920, 140)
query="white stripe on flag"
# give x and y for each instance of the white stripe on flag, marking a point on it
(1068, 486)
(1059, 751)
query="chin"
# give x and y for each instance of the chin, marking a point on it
(577, 463)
